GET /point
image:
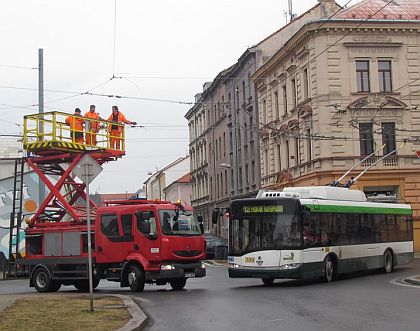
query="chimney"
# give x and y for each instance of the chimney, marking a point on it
(328, 8)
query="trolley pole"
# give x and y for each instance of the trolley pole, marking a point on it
(41, 193)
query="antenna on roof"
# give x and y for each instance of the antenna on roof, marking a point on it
(336, 183)
(291, 15)
(353, 180)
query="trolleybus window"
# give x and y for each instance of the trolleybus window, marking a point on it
(263, 225)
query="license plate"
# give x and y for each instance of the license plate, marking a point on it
(189, 274)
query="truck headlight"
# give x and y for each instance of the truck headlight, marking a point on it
(167, 267)
(234, 265)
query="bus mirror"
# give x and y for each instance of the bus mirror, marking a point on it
(200, 218)
(201, 227)
(215, 215)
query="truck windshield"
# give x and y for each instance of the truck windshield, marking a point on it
(264, 225)
(178, 222)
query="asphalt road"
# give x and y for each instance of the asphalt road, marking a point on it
(368, 301)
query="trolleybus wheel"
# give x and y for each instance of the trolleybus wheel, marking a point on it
(330, 269)
(388, 261)
(42, 280)
(178, 284)
(135, 278)
(268, 281)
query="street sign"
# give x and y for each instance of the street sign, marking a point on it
(87, 169)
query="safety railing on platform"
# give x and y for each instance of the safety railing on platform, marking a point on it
(75, 132)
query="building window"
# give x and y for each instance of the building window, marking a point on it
(305, 84)
(388, 137)
(284, 88)
(366, 138)
(276, 105)
(297, 150)
(278, 157)
(362, 76)
(294, 95)
(226, 182)
(385, 76)
(264, 112)
(287, 155)
(266, 163)
(309, 145)
(246, 175)
(243, 93)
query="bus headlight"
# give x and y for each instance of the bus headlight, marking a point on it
(290, 266)
(203, 266)
(234, 266)
(167, 267)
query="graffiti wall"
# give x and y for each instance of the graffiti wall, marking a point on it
(30, 205)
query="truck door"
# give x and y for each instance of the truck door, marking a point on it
(109, 241)
(146, 236)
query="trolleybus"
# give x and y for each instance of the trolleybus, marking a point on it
(317, 231)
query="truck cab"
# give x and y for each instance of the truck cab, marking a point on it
(151, 242)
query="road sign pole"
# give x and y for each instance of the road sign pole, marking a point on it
(89, 240)
(86, 170)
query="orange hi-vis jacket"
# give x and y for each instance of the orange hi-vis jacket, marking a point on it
(94, 125)
(120, 119)
(75, 122)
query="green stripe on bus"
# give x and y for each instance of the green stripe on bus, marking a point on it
(358, 209)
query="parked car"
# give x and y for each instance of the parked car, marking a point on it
(216, 246)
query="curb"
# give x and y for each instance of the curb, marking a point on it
(138, 318)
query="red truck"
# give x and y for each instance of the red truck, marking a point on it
(133, 242)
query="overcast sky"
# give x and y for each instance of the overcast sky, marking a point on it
(164, 50)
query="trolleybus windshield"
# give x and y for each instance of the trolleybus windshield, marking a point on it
(264, 224)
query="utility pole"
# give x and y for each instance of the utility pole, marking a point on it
(41, 194)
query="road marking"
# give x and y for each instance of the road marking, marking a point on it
(400, 282)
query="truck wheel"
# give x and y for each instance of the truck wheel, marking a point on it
(178, 284)
(135, 278)
(55, 286)
(42, 280)
(83, 285)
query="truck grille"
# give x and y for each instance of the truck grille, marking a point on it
(187, 253)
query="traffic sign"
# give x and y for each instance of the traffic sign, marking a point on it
(87, 169)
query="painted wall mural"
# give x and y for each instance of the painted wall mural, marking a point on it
(30, 205)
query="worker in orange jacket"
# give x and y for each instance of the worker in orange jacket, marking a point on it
(116, 130)
(92, 127)
(75, 122)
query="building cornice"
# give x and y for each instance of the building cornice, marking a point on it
(318, 27)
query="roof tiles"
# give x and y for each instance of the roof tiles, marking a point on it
(383, 10)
